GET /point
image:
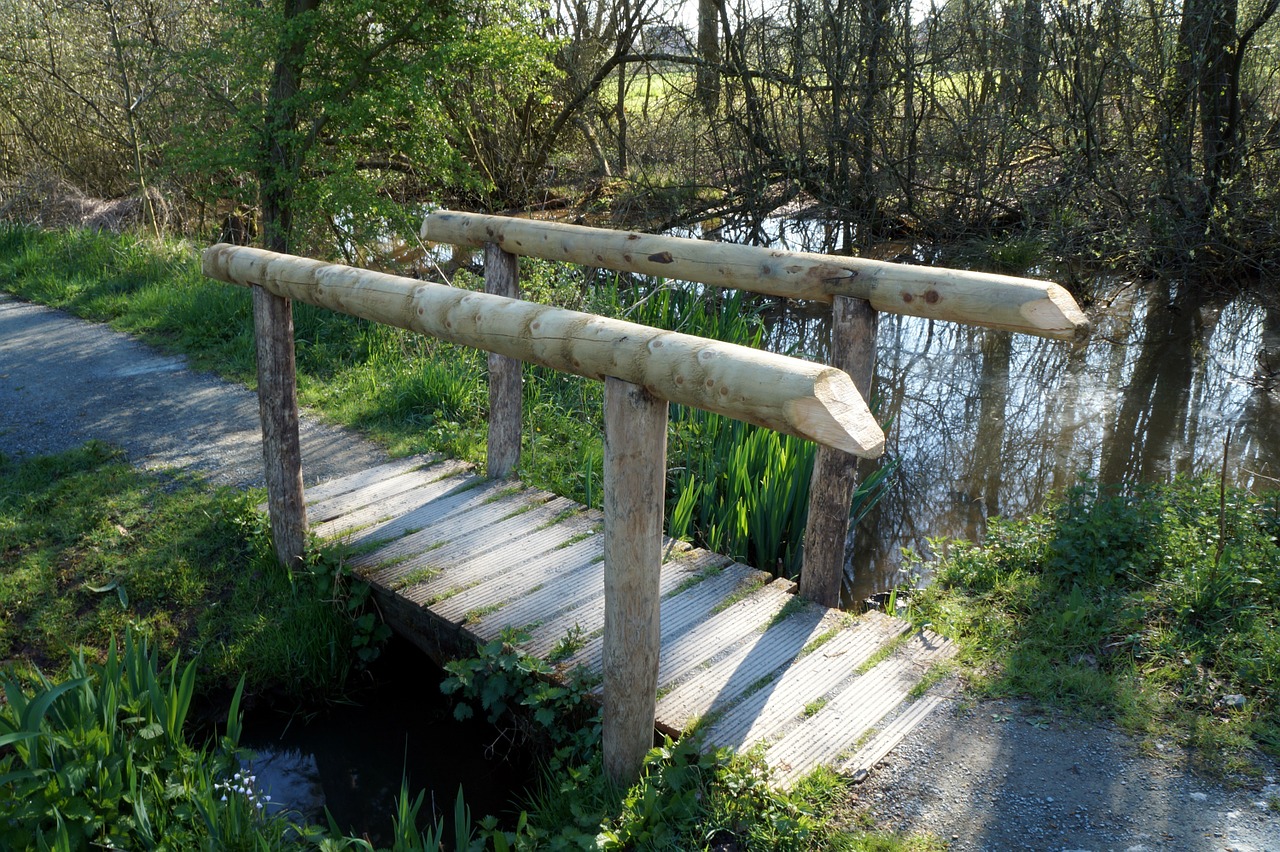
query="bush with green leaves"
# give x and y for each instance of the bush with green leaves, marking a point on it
(687, 797)
(551, 712)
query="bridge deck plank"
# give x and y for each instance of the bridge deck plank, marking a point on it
(372, 476)
(322, 508)
(854, 709)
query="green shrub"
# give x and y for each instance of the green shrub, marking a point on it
(686, 798)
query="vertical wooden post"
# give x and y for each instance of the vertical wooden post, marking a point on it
(278, 410)
(502, 278)
(635, 461)
(835, 472)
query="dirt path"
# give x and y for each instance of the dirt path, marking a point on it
(986, 776)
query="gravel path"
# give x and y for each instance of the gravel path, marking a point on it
(995, 776)
(990, 776)
(64, 381)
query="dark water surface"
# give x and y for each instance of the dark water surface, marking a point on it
(985, 422)
(350, 757)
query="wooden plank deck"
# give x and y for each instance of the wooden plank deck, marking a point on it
(454, 559)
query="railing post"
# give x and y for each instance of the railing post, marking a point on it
(502, 278)
(635, 455)
(835, 472)
(278, 410)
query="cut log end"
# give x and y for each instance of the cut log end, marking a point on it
(1058, 314)
(465, 225)
(837, 416)
(213, 262)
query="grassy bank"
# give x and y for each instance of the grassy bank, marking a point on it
(91, 546)
(105, 571)
(1158, 607)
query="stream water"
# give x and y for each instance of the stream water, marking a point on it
(350, 757)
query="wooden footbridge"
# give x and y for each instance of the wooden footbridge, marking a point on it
(679, 636)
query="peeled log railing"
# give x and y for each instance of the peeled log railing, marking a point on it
(975, 298)
(642, 369)
(788, 395)
(856, 288)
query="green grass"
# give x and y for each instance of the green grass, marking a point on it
(936, 673)
(791, 607)
(696, 578)
(91, 546)
(882, 653)
(818, 641)
(1149, 607)
(151, 289)
(743, 591)
(416, 576)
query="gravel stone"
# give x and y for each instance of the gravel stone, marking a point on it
(64, 381)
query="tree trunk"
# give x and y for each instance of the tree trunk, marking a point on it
(1214, 28)
(278, 161)
(1030, 48)
(874, 32)
(707, 90)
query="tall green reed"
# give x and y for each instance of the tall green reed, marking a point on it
(738, 489)
(101, 759)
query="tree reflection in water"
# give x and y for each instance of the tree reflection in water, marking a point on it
(986, 422)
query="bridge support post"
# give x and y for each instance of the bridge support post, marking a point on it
(635, 455)
(835, 472)
(502, 278)
(278, 410)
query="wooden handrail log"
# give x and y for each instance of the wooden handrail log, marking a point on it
(976, 298)
(788, 395)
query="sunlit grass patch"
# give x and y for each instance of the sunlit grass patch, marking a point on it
(1158, 608)
(92, 546)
